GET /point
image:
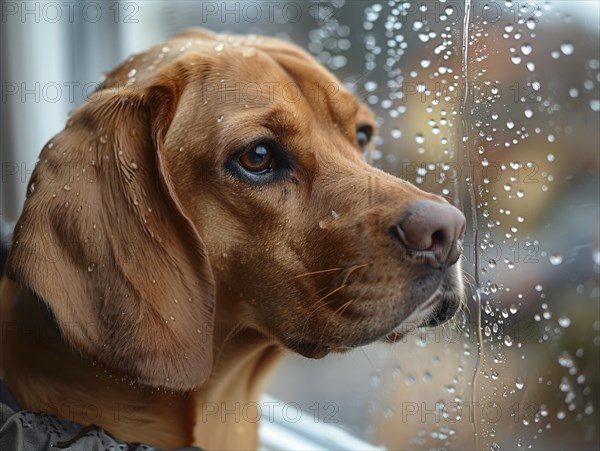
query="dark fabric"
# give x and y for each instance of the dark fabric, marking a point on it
(28, 431)
(6, 397)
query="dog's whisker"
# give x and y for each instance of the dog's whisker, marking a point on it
(351, 270)
(362, 349)
(322, 271)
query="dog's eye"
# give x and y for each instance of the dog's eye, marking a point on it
(363, 136)
(257, 159)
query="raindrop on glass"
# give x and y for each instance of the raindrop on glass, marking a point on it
(526, 49)
(564, 321)
(567, 48)
(519, 383)
(596, 256)
(396, 133)
(565, 360)
(555, 258)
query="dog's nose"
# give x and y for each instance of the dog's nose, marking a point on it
(432, 231)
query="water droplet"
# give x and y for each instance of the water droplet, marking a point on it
(172, 318)
(133, 165)
(220, 118)
(219, 48)
(596, 256)
(526, 49)
(91, 267)
(175, 300)
(396, 133)
(370, 86)
(420, 139)
(508, 341)
(516, 59)
(103, 139)
(565, 360)
(491, 262)
(334, 214)
(425, 63)
(595, 104)
(519, 383)
(510, 125)
(32, 187)
(375, 380)
(550, 157)
(507, 187)
(67, 187)
(528, 113)
(561, 414)
(131, 73)
(567, 48)
(249, 52)
(564, 321)
(555, 258)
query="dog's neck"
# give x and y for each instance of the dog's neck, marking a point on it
(221, 414)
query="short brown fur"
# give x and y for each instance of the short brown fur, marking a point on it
(169, 283)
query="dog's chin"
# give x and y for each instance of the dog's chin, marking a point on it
(435, 310)
(446, 305)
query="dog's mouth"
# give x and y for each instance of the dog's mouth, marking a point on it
(439, 308)
(446, 311)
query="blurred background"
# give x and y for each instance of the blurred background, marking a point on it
(495, 105)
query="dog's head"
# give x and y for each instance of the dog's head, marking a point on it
(223, 177)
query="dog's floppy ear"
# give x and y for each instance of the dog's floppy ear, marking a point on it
(105, 242)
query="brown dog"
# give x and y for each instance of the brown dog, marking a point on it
(206, 209)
